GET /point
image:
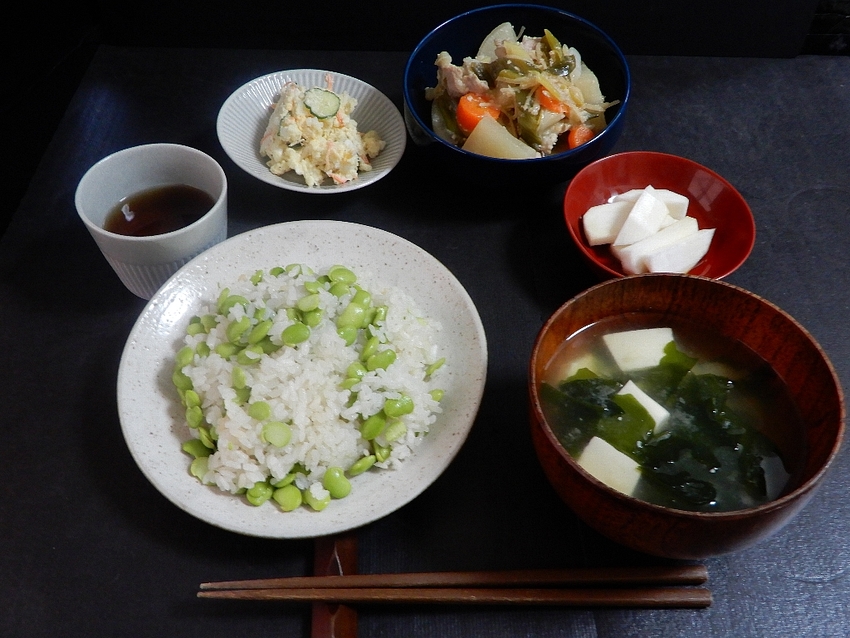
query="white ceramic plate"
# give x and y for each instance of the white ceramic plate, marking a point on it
(244, 116)
(152, 419)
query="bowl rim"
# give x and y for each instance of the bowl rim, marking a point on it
(798, 493)
(747, 220)
(602, 137)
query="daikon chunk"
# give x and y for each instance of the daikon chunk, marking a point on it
(657, 412)
(638, 349)
(645, 218)
(602, 222)
(493, 140)
(633, 256)
(683, 255)
(606, 463)
(677, 205)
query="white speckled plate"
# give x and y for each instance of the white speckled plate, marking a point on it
(244, 116)
(152, 419)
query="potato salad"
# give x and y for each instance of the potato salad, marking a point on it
(519, 97)
(311, 132)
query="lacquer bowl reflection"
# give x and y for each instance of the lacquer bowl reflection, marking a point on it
(734, 313)
(713, 201)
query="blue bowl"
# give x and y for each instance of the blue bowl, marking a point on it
(461, 37)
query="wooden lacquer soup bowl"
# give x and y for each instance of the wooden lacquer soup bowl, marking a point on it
(732, 313)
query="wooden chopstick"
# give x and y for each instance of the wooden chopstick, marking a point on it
(657, 597)
(571, 577)
(659, 587)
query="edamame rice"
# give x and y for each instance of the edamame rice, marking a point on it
(295, 381)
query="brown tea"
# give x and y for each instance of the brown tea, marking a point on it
(158, 210)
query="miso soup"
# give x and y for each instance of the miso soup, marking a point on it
(674, 414)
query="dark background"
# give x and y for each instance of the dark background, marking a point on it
(49, 45)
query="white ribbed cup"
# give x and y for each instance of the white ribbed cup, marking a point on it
(145, 263)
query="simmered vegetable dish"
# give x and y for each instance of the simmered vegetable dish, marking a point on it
(519, 97)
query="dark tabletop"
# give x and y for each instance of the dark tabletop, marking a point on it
(89, 548)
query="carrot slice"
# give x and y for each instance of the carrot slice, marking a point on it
(550, 102)
(471, 109)
(579, 135)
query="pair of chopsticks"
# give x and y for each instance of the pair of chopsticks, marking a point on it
(656, 587)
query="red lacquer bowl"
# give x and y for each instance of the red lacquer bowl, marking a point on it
(714, 202)
(722, 309)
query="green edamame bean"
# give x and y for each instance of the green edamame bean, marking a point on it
(373, 426)
(267, 346)
(437, 394)
(235, 329)
(335, 483)
(352, 315)
(295, 334)
(277, 271)
(209, 322)
(339, 288)
(293, 270)
(277, 433)
(312, 286)
(316, 503)
(191, 399)
(194, 416)
(308, 302)
(431, 369)
(206, 437)
(368, 317)
(293, 314)
(184, 356)
(394, 408)
(230, 301)
(202, 350)
(259, 493)
(195, 328)
(380, 315)
(395, 430)
(341, 273)
(199, 467)
(226, 349)
(381, 360)
(238, 378)
(195, 448)
(355, 370)
(348, 334)
(382, 452)
(242, 395)
(313, 318)
(361, 465)
(349, 382)
(249, 356)
(286, 480)
(259, 410)
(257, 277)
(260, 331)
(362, 297)
(370, 347)
(181, 381)
(288, 497)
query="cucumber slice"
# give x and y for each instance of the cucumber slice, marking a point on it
(321, 102)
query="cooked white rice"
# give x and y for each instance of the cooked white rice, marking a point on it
(301, 384)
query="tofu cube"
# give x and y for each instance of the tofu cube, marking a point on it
(602, 222)
(606, 463)
(657, 412)
(633, 257)
(638, 349)
(681, 256)
(645, 218)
